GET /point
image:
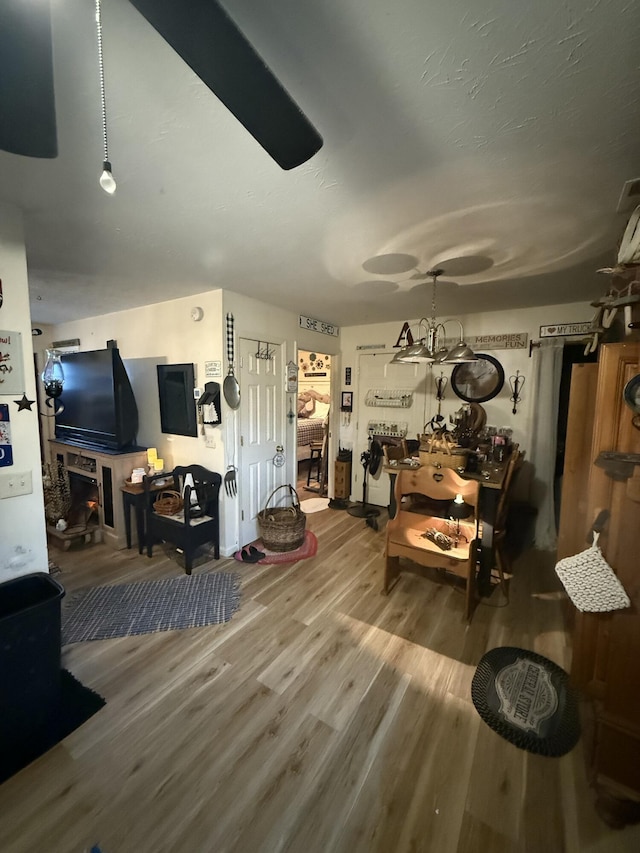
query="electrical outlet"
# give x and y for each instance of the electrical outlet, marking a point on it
(209, 441)
(16, 483)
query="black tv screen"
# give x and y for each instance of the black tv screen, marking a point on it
(99, 405)
(177, 406)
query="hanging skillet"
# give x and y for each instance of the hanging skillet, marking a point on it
(230, 387)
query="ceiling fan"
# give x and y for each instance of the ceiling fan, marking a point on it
(201, 33)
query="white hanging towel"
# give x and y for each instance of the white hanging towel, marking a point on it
(590, 582)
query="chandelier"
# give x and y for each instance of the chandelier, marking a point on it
(430, 348)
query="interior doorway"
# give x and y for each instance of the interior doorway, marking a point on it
(572, 353)
(314, 420)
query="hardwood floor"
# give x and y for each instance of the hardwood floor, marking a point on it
(323, 717)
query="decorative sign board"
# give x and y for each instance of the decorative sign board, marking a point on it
(212, 369)
(318, 326)
(69, 345)
(561, 329)
(11, 371)
(506, 340)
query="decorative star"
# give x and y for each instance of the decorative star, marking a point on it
(25, 403)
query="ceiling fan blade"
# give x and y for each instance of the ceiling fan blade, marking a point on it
(27, 104)
(204, 36)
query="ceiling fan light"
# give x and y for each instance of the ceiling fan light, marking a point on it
(107, 181)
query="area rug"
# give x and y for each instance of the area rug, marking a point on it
(527, 700)
(314, 504)
(308, 548)
(78, 704)
(186, 601)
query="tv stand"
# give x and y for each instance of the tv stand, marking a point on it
(108, 469)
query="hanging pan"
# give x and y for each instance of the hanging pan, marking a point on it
(230, 387)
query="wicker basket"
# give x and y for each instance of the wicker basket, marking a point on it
(282, 528)
(440, 450)
(168, 502)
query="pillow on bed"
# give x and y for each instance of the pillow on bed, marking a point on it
(306, 408)
(322, 410)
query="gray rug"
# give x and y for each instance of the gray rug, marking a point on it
(187, 601)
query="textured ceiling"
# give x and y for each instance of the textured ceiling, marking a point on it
(490, 138)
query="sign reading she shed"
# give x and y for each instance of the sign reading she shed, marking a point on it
(318, 326)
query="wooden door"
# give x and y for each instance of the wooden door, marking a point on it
(577, 460)
(261, 431)
(375, 372)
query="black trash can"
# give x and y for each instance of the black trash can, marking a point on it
(29, 666)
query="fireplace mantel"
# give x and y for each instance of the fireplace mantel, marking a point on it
(108, 470)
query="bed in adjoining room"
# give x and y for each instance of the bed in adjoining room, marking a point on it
(313, 417)
(309, 429)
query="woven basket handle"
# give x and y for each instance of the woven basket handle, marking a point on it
(295, 500)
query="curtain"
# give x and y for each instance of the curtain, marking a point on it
(547, 371)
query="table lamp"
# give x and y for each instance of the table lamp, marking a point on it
(458, 510)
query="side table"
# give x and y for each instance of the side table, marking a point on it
(133, 498)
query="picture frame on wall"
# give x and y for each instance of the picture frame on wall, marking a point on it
(346, 401)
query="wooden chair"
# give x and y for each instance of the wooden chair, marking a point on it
(197, 523)
(395, 451)
(406, 531)
(502, 559)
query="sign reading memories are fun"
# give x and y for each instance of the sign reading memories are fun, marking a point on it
(503, 340)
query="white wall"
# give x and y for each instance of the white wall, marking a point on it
(23, 540)
(425, 404)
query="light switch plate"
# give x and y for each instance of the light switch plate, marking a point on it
(16, 483)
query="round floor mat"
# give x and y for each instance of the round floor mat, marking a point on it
(526, 698)
(314, 505)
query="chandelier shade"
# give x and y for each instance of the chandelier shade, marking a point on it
(431, 349)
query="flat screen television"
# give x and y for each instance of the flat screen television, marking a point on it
(100, 409)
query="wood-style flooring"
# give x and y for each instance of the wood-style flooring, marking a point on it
(323, 717)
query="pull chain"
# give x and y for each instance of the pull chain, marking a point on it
(107, 181)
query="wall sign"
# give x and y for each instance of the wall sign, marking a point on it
(505, 340)
(212, 369)
(371, 346)
(561, 329)
(318, 326)
(292, 377)
(11, 372)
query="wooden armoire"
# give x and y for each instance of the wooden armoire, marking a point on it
(600, 474)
